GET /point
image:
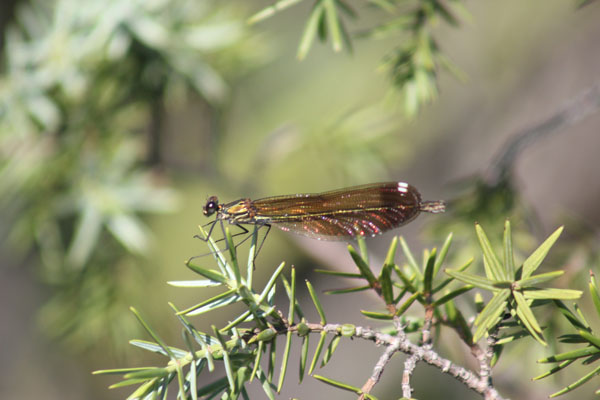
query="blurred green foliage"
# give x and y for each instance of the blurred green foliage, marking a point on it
(78, 156)
(412, 66)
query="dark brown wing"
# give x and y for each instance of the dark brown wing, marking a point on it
(365, 210)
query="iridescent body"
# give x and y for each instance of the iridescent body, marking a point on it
(365, 210)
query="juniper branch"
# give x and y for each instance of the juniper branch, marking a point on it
(419, 353)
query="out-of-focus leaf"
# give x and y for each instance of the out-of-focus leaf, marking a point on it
(130, 232)
(494, 268)
(303, 358)
(557, 294)
(590, 338)
(213, 387)
(452, 295)
(86, 236)
(348, 290)
(376, 315)
(472, 279)
(317, 354)
(284, 362)
(195, 284)
(155, 348)
(207, 273)
(537, 279)
(310, 30)
(571, 355)
(459, 321)
(527, 318)
(266, 385)
(143, 390)
(317, 303)
(445, 282)
(288, 290)
(338, 273)
(554, 370)
(407, 303)
(535, 259)
(428, 272)
(412, 263)
(271, 10)
(149, 373)
(344, 386)
(333, 23)
(509, 261)
(408, 282)
(439, 260)
(154, 335)
(127, 382)
(120, 371)
(363, 267)
(271, 283)
(593, 287)
(578, 382)
(215, 302)
(572, 318)
(491, 313)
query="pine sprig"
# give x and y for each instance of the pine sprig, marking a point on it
(514, 291)
(584, 335)
(243, 342)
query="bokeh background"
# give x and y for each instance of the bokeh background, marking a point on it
(118, 118)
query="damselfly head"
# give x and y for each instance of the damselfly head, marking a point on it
(211, 206)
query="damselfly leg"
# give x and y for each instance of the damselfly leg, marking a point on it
(212, 225)
(244, 231)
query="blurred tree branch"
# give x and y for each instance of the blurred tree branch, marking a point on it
(585, 103)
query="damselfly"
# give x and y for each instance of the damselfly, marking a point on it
(366, 210)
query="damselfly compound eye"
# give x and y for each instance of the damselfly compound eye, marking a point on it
(211, 206)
